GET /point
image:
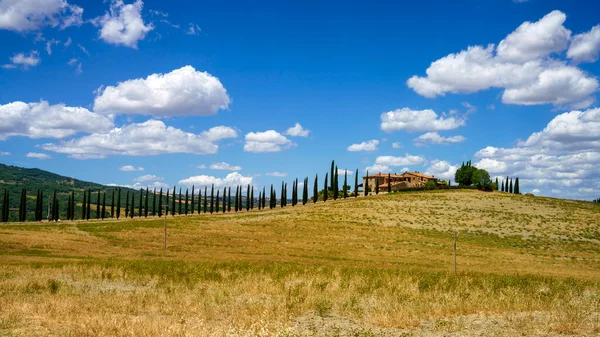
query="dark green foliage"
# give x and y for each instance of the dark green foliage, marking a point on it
(141, 203)
(192, 201)
(264, 198)
(331, 175)
(160, 203)
(283, 195)
(252, 198)
(325, 185)
(481, 179)
(146, 204)
(259, 200)
(39, 204)
(356, 184)
(180, 211)
(237, 198)
(54, 208)
(502, 187)
(596, 200)
(154, 202)
(366, 187)
(118, 203)
(464, 175)
(98, 205)
(506, 184)
(199, 201)
(229, 200)
(497, 186)
(345, 186)
(217, 202)
(173, 202)
(224, 199)
(127, 205)
(248, 198)
(271, 198)
(89, 205)
(205, 198)
(389, 189)
(212, 198)
(316, 189)
(334, 184)
(517, 186)
(5, 207)
(376, 184)
(167, 204)
(305, 191)
(186, 201)
(510, 187)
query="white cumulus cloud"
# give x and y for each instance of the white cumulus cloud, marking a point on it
(297, 131)
(24, 61)
(149, 138)
(224, 166)
(435, 138)
(42, 120)
(442, 169)
(182, 92)
(277, 174)
(418, 120)
(370, 145)
(267, 141)
(38, 155)
(123, 24)
(407, 160)
(521, 65)
(585, 47)
(31, 15)
(130, 168)
(148, 177)
(232, 179)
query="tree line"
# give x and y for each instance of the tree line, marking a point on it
(469, 175)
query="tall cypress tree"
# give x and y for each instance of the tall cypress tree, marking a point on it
(264, 197)
(506, 186)
(334, 184)
(141, 203)
(237, 198)
(68, 207)
(229, 199)
(316, 189)
(160, 203)
(224, 199)
(212, 198)
(84, 206)
(154, 202)
(103, 205)
(271, 198)
(259, 200)
(192, 201)
(174, 202)
(112, 205)
(167, 204)
(283, 195)
(366, 187)
(252, 197)
(510, 187)
(186, 201)
(497, 186)
(356, 184)
(180, 212)
(331, 175)
(502, 186)
(54, 207)
(37, 206)
(517, 186)
(305, 192)
(389, 183)
(22, 205)
(127, 205)
(345, 187)
(217, 202)
(132, 209)
(325, 193)
(118, 203)
(146, 203)
(376, 184)
(205, 197)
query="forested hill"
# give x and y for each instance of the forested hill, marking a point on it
(14, 179)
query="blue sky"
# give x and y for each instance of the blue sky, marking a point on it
(200, 92)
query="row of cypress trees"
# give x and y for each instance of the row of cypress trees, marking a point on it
(178, 204)
(507, 186)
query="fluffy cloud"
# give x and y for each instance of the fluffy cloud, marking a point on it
(341, 172)
(370, 145)
(397, 145)
(377, 168)
(41, 120)
(38, 155)
(22, 60)
(218, 133)
(150, 185)
(435, 138)
(224, 166)
(31, 15)
(562, 160)
(152, 137)
(268, 141)
(183, 91)
(130, 168)
(585, 47)
(407, 160)
(147, 177)
(442, 169)
(297, 131)
(123, 24)
(277, 174)
(232, 179)
(520, 65)
(418, 120)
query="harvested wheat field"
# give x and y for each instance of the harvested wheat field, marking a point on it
(370, 266)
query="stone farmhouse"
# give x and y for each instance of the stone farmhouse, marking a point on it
(398, 181)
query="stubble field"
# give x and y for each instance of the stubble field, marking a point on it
(375, 266)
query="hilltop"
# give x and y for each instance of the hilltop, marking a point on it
(368, 266)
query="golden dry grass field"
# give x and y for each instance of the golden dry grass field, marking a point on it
(375, 266)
